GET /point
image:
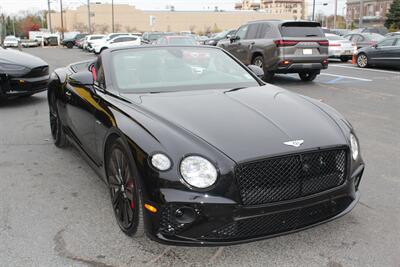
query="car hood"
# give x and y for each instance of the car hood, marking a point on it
(20, 58)
(248, 123)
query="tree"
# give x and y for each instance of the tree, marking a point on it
(393, 17)
(80, 27)
(28, 24)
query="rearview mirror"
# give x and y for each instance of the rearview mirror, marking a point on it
(81, 78)
(259, 72)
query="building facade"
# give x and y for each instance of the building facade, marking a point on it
(293, 9)
(128, 18)
(374, 12)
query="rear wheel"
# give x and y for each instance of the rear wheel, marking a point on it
(362, 60)
(308, 76)
(124, 190)
(70, 45)
(259, 61)
(344, 58)
(57, 130)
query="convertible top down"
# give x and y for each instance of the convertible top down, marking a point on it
(197, 150)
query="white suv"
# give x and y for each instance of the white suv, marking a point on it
(117, 41)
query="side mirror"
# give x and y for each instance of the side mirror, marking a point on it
(228, 36)
(375, 46)
(234, 38)
(81, 78)
(259, 72)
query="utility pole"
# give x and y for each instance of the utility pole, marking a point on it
(313, 10)
(49, 14)
(112, 15)
(62, 21)
(89, 24)
(360, 22)
(334, 17)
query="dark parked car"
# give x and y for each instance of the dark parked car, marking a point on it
(364, 39)
(220, 36)
(151, 37)
(204, 151)
(385, 53)
(70, 42)
(281, 47)
(21, 74)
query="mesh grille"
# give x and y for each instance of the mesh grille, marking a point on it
(290, 177)
(279, 222)
(38, 72)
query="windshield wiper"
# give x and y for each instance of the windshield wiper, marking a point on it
(235, 89)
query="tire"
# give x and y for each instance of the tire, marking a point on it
(308, 76)
(70, 45)
(344, 58)
(268, 75)
(57, 131)
(125, 189)
(362, 60)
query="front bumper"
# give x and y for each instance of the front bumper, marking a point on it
(214, 221)
(21, 86)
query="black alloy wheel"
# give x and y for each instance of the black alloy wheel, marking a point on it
(308, 76)
(70, 45)
(124, 190)
(56, 128)
(268, 75)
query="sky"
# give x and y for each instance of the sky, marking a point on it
(14, 7)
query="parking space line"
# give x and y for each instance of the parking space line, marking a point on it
(347, 77)
(375, 70)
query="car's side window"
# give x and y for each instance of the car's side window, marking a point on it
(263, 31)
(241, 33)
(387, 42)
(252, 31)
(397, 43)
(99, 77)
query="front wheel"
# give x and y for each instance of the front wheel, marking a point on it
(56, 128)
(70, 45)
(124, 190)
(308, 76)
(362, 60)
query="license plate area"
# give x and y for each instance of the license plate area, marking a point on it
(307, 51)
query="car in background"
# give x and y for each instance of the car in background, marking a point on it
(176, 40)
(121, 40)
(79, 43)
(340, 47)
(392, 34)
(21, 74)
(104, 40)
(340, 32)
(279, 46)
(70, 42)
(204, 154)
(29, 43)
(363, 39)
(385, 53)
(151, 37)
(11, 41)
(219, 36)
(90, 39)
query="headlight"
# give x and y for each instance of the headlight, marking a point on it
(198, 172)
(6, 66)
(160, 162)
(354, 147)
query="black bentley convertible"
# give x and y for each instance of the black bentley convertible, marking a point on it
(197, 150)
(21, 74)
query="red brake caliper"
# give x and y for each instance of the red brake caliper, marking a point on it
(130, 186)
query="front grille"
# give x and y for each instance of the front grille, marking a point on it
(279, 222)
(290, 177)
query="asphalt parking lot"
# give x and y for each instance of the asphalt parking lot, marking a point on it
(54, 211)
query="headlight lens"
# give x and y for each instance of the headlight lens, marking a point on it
(198, 172)
(354, 147)
(161, 162)
(6, 66)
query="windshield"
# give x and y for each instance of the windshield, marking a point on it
(9, 38)
(165, 69)
(221, 34)
(96, 37)
(373, 36)
(301, 31)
